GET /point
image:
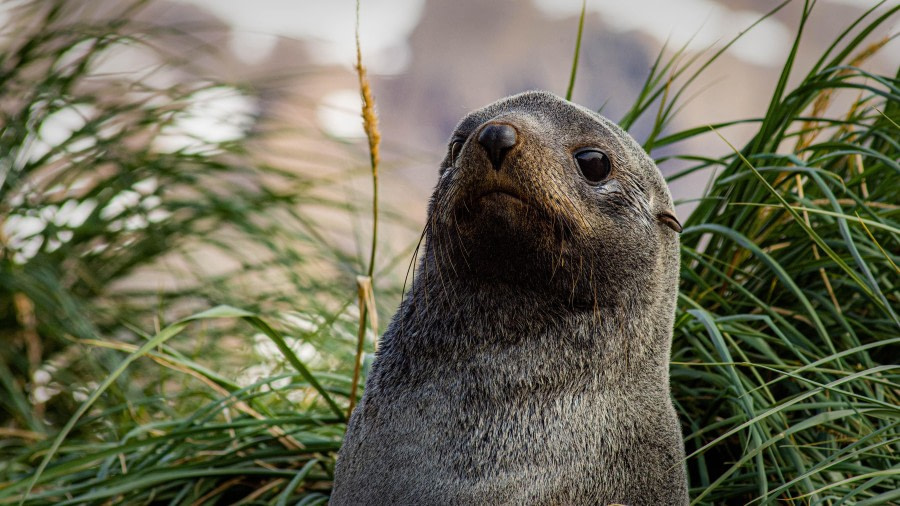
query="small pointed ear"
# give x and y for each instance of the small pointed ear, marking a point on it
(668, 219)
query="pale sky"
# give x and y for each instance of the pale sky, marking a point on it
(387, 24)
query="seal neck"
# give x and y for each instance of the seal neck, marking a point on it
(457, 321)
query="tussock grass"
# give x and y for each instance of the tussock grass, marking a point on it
(785, 353)
(104, 182)
(786, 338)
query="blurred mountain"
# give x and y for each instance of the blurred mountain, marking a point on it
(468, 53)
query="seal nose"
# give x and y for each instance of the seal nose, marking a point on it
(497, 139)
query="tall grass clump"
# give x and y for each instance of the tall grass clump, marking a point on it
(786, 338)
(784, 368)
(123, 211)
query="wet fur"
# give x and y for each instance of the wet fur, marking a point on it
(529, 362)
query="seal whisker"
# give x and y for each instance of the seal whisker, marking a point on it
(596, 310)
(438, 254)
(430, 238)
(575, 210)
(558, 262)
(412, 262)
(461, 242)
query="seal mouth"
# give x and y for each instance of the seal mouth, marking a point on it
(503, 196)
(495, 199)
(505, 200)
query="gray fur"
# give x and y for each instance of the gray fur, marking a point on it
(529, 363)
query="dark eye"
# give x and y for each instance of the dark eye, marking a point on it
(455, 148)
(593, 164)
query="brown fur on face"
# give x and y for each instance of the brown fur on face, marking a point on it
(538, 214)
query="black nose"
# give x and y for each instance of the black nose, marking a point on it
(497, 139)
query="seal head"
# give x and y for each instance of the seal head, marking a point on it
(573, 201)
(529, 362)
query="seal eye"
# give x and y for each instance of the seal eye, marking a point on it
(455, 148)
(593, 164)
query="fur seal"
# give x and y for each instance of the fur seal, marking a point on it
(529, 362)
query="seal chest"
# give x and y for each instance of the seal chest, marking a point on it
(529, 362)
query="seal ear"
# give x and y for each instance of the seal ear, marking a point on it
(668, 219)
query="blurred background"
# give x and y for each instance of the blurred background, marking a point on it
(431, 61)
